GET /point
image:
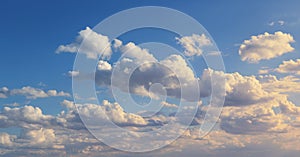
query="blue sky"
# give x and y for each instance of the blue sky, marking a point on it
(32, 31)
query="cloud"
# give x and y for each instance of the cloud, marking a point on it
(169, 105)
(40, 137)
(242, 127)
(194, 44)
(73, 73)
(89, 43)
(279, 22)
(113, 111)
(138, 54)
(32, 93)
(104, 66)
(4, 92)
(6, 139)
(288, 84)
(239, 90)
(263, 71)
(257, 112)
(25, 117)
(271, 23)
(173, 73)
(68, 104)
(266, 46)
(289, 66)
(253, 120)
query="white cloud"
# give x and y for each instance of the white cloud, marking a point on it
(32, 93)
(68, 104)
(138, 54)
(271, 23)
(104, 66)
(281, 22)
(194, 44)
(26, 117)
(113, 111)
(4, 92)
(289, 66)
(240, 90)
(73, 73)
(253, 120)
(6, 139)
(169, 105)
(40, 137)
(90, 43)
(263, 71)
(117, 43)
(244, 126)
(173, 73)
(288, 84)
(275, 23)
(266, 46)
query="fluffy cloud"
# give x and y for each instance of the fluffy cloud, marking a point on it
(290, 66)
(266, 46)
(104, 66)
(90, 43)
(39, 137)
(253, 120)
(138, 54)
(194, 44)
(6, 139)
(173, 73)
(257, 112)
(271, 115)
(288, 84)
(242, 127)
(25, 117)
(4, 92)
(32, 93)
(113, 111)
(240, 90)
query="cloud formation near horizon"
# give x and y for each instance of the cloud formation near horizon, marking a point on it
(257, 111)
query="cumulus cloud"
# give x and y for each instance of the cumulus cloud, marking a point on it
(289, 66)
(25, 117)
(266, 46)
(173, 73)
(288, 84)
(39, 137)
(89, 43)
(253, 120)
(194, 44)
(241, 127)
(32, 93)
(271, 115)
(104, 66)
(6, 139)
(113, 111)
(138, 54)
(256, 112)
(240, 90)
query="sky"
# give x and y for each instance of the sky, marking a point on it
(47, 107)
